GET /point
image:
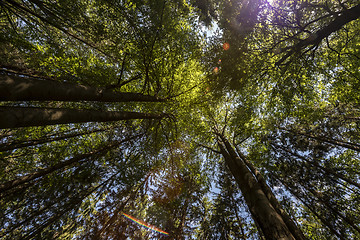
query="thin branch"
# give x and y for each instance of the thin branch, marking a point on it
(122, 68)
(208, 148)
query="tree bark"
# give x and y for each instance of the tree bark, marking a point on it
(14, 117)
(270, 195)
(15, 88)
(270, 221)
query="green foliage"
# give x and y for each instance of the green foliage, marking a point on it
(284, 90)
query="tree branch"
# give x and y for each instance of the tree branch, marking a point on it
(315, 38)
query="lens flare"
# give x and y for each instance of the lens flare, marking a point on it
(144, 224)
(226, 46)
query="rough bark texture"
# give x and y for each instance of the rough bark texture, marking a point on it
(14, 117)
(270, 221)
(15, 88)
(274, 202)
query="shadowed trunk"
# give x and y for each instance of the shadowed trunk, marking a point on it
(15, 88)
(269, 220)
(270, 195)
(14, 117)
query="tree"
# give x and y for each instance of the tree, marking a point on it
(262, 207)
(14, 88)
(226, 217)
(112, 107)
(13, 117)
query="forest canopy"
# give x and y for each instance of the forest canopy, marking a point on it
(198, 119)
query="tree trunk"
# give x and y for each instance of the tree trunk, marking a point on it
(14, 117)
(270, 221)
(270, 195)
(15, 88)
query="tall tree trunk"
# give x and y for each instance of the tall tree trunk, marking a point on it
(14, 117)
(15, 88)
(270, 221)
(270, 195)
